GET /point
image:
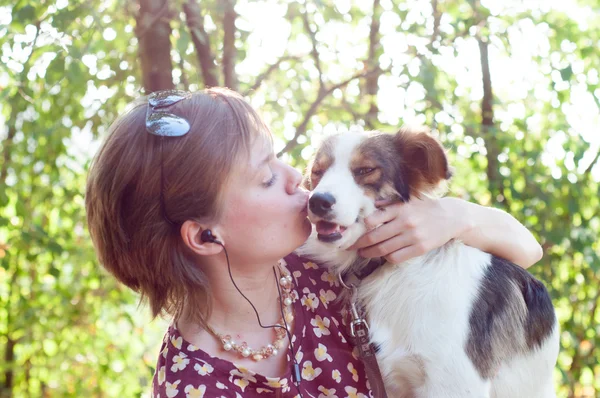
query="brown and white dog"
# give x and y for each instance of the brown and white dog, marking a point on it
(454, 322)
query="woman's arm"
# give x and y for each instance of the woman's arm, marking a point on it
(497, 232)
(407, 230)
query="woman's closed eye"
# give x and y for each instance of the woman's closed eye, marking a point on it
(270, 181)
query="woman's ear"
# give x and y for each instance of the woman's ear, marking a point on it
(191, 232)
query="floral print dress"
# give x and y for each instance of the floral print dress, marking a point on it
(329, 365)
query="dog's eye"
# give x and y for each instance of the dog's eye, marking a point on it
(363, 171)
(317, 173)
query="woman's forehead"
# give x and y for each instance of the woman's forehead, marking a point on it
(251, 161)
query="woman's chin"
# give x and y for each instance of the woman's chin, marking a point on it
(306, 231)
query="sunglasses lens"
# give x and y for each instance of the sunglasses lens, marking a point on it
(161, 99)
(166, 124)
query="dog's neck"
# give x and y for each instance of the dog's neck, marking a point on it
(361, 271)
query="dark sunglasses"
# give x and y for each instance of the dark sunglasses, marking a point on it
(165, 124)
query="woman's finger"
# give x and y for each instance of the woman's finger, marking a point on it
(387, 247)
(377, 235)
(405, 254)
(381, 216)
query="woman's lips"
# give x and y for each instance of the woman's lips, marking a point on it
(304, 208)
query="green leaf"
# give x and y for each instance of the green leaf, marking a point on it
(566, 73)
(25, 14)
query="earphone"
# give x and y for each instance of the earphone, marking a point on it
(207, 237)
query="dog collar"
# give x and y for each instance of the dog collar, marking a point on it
(371, 266)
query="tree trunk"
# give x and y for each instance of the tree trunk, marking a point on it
(487, 127)
(373, 64)
(9, 359)
(153, 31)
(206, 59)
(229, 50)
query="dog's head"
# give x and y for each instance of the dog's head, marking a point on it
(350, 171)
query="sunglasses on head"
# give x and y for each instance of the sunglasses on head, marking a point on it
(165, 124)
(162, 123)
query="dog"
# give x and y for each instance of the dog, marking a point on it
(455, 322)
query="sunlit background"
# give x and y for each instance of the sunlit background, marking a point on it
(311, 68)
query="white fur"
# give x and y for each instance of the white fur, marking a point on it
(419, 310)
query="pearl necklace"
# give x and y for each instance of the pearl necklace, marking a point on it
(280, 332)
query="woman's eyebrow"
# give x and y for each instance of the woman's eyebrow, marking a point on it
(266, 160)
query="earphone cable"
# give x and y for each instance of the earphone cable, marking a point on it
(296, 371)
(296, 367)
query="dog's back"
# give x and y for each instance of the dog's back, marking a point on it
(462, 323)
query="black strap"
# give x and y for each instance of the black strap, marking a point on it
(371, 266)
(367, 355)
(359, 331)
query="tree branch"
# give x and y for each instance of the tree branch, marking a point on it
(314, 53)
(206, 59)
(578, 358)
(437, 18)
(301, 129)
(229, 45)
(588, 170)
(14, 110)
(263, 76)
(184, 79)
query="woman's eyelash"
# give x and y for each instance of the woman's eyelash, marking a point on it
(271, 181)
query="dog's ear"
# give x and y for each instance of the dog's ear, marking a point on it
(423, 162)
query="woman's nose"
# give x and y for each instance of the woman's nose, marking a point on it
(294, 180)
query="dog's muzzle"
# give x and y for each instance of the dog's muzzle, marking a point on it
(321, 203)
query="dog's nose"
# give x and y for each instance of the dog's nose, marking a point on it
(321, 203)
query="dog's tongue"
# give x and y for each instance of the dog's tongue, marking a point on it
(326, 228)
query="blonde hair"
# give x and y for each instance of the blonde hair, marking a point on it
(132, 237)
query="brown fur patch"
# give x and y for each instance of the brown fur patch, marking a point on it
(365, 161)
(407, 376)
(423, 159)
(375, 153)
(321, 162)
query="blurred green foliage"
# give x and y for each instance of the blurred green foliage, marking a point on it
(68, 67)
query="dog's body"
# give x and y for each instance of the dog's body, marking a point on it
(455, 322)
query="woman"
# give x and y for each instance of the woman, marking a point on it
(186, 202)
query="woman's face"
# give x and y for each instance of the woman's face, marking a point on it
(264, 210)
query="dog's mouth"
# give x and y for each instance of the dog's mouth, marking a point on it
(328, 231)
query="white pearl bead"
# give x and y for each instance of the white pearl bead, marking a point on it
(227, 346)
(283, 281)
(246, 352)
(287, 301)
(275, 351)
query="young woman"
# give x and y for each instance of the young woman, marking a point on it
(186, 202)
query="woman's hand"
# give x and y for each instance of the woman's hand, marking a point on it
(401, 231)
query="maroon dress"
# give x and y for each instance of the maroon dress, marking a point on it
(328, 364)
